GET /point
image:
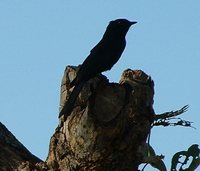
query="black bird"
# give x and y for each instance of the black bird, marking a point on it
(101, 58)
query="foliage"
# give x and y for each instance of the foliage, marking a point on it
(192, 152)
(182, 161)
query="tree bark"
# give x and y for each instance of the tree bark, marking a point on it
(108, 125)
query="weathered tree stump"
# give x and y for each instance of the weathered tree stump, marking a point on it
(107, 126)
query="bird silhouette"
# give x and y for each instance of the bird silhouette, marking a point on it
(101, 58)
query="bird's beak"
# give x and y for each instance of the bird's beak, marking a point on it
(133, 22)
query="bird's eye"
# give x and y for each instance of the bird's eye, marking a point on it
(118, 22)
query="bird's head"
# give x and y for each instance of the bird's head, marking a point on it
(122, 23)
(120, 26)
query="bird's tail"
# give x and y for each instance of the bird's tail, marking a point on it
(69, 104)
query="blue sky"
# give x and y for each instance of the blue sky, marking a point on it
(39, 38)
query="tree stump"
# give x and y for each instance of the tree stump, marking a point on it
(108, 124)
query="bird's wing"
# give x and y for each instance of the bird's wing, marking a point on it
(99, 46)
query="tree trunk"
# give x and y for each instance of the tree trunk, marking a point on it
(13, 155)
(108, 124)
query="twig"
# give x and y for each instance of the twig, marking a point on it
(172, 113)
(165, 119)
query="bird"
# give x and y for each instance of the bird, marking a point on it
(101, 58)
